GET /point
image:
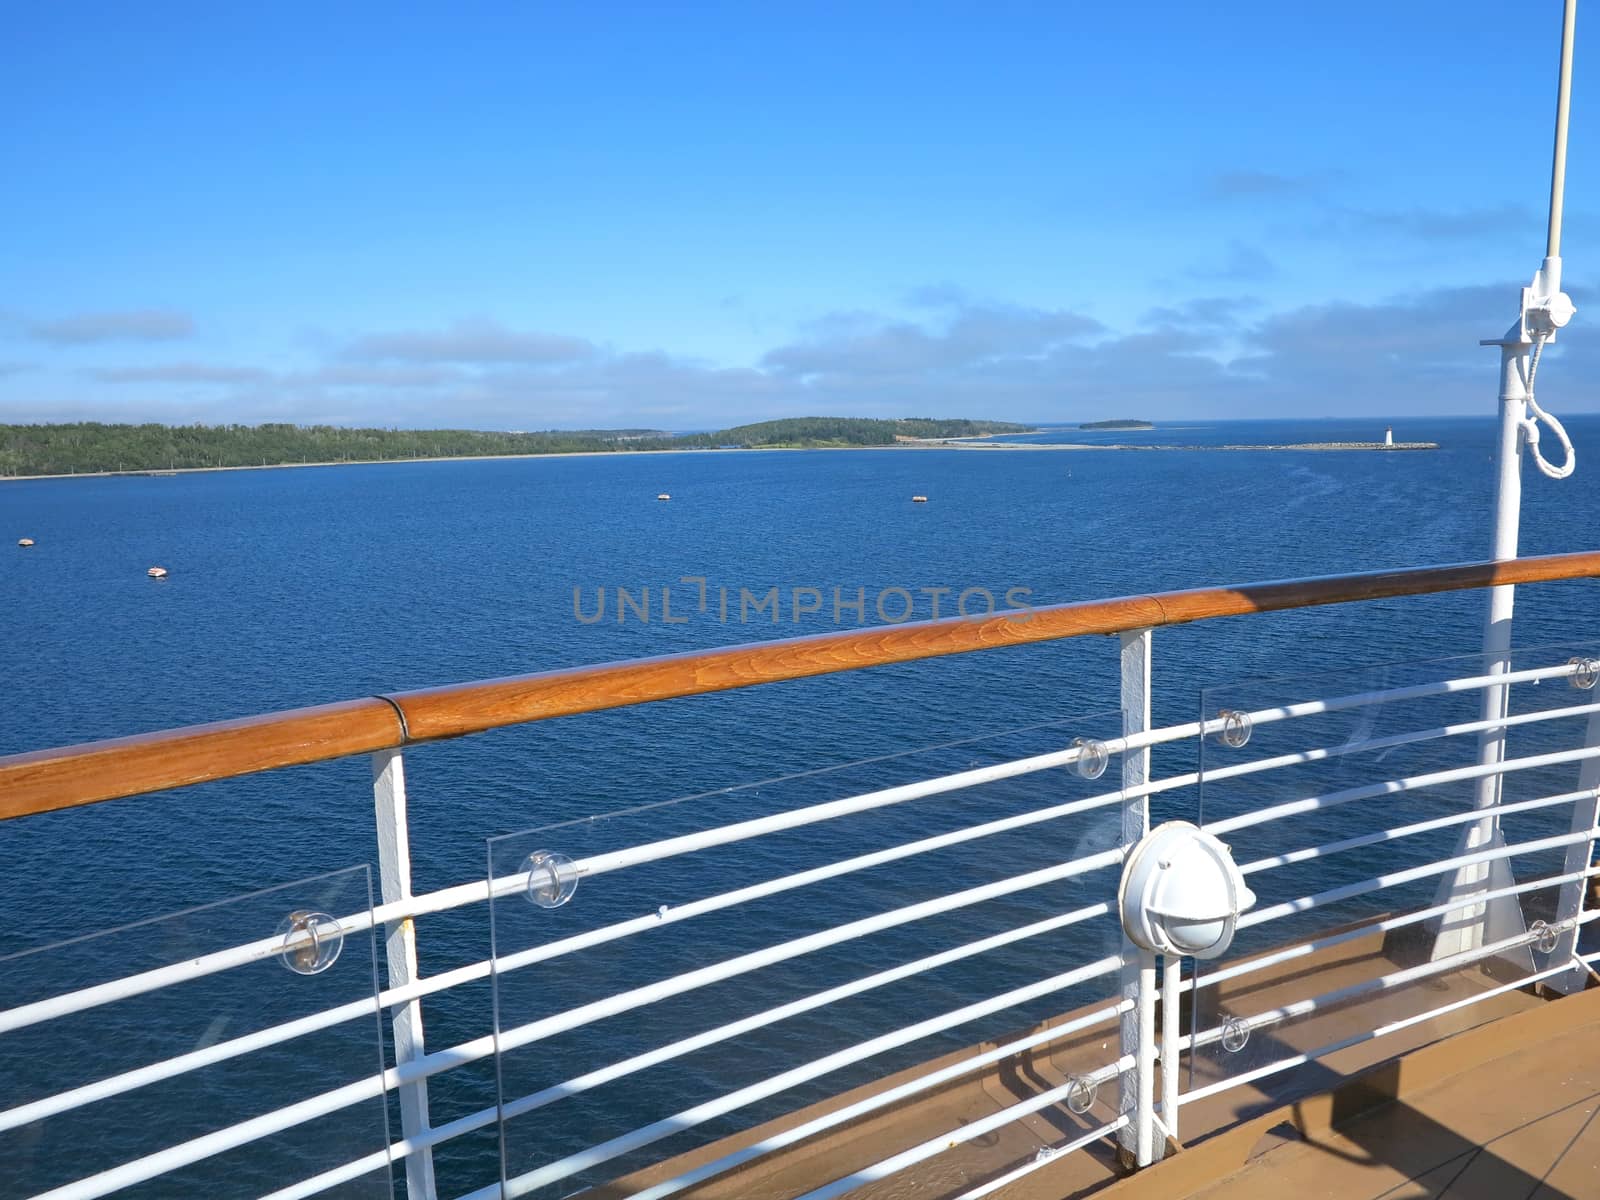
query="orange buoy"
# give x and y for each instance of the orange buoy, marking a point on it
(157, 572)
(24, 541)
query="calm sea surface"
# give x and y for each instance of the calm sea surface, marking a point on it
(295, 587)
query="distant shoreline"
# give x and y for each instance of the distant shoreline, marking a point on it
(955, 443)
(1321, 446)
(98, 448)
(372, 462)
(909, 444)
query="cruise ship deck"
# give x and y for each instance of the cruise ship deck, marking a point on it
(1418, 1097)
(931, 979)
(1503, 1111)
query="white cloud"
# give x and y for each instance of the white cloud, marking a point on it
(1217, 355)
(145, 325)
(470, 342)
(181, 372)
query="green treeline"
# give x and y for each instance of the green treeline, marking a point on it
(846, 431)
(90, 446)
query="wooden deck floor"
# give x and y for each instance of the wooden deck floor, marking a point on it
(1504, 1112)
(1220, 1131)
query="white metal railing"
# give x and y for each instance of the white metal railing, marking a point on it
(1142, 1061)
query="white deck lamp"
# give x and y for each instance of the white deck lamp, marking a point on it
(1181, 892)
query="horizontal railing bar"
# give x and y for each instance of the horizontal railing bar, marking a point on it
(194, 1060)
(1262, 816)
(888, 1098)
(699, 1114)
(476, 892)
(1312, 853)
(162, 1162)
(1394, 695)
(219, 1141)
(1368, 1035)
(572, 1087)
(473, 892)
(160, 977)
(379, 1160)
(1174, 733)
(478, 1048)
(1305, 708)
(222, 1051)
(723, 835)
(477, 1120)
(487, 1117)
(1275, 958)
(1389, 741)
(41, 781)
(873, 1103)
(1378, 882)
(468, 893)
(741, 964)
(649, 852)
(1380, 983)
(760, 1020)
(148, 981)
(784, 883)
(1308, 708)
(965, 1133)
(893, 1096)
(1158, 736)
(1044, 1157)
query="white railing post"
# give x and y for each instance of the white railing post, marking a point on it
(1136, 1085)
(1544, 310)
(1171, 1038)
(1467, 928)
(400, 947)
(1585, 815)
(1470, 927)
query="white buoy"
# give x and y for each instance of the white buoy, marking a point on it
(1388, 436)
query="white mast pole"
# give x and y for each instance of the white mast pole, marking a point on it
(1544, 309)
(1558, 167)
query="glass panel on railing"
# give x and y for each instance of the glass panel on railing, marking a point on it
(160, 1059)
(733, 979)
(1406, 884)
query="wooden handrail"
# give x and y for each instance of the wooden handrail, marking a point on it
(42, 780)
(45, 780)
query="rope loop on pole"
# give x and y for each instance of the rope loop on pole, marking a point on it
(1530, 425)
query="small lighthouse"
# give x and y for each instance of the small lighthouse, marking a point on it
(1388, 436)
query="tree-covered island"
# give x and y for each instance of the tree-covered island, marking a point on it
(90, 447)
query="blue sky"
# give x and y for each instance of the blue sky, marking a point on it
(680, 216)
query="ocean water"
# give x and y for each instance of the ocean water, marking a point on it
(294, 587)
